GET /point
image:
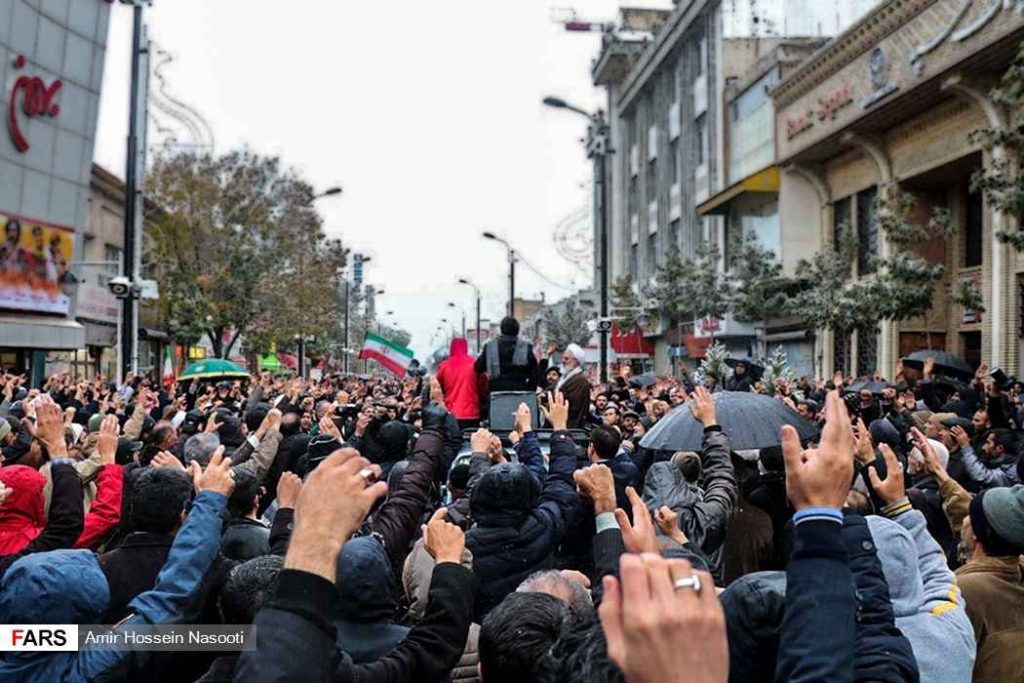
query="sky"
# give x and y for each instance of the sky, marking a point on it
(428, 114)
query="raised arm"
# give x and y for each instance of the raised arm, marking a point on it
(818, 634)
(398, 517)
(719, 480)
(193, 552)
(559, 503)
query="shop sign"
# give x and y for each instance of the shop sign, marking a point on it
(828, 106)
(37, 99)
(34, 260)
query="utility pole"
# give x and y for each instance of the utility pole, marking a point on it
(134, 167)
(598, 150)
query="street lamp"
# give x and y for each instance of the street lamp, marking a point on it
(598, 149)
(476, 290)
(451, 304)
(511, 270)
(329, 192)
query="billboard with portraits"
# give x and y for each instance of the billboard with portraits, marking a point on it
(34, 264)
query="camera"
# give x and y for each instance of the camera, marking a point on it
(120, 286)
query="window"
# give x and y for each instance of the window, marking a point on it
(703, 144)
(700, 54)
(652, 180)
(867, 352)
(673, 160)
(652, 254)
(673, 237)
(973, 226)
(112, 255)
(631, 198)
(970, 342)
(867, 232)
(634, 250)
(841, 215)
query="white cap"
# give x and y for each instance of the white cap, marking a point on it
(577, 352)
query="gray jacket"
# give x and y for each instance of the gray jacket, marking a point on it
(703, 510)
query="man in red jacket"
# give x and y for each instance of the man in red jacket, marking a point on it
(459, 382)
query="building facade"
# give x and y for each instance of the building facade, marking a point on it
(892, 103)
(671, 118)
(51, 69)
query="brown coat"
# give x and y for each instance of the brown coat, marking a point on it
(993, 593)
(577, 394)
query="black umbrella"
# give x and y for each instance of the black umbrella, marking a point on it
(946, 363)
(875, 386)
(751, 420)
(645, 380)
(754, 369)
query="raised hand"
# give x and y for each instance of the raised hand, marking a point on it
(480, 441)
(668, 522)
(638, 536)
(168, 460)
(49, 428)
(558, 411)
(657, 632)
(217, 475)
(704, 407)
(524, 419)
(891, 488)
(289, 486)
(597, 483)
(332, 504)
(443, 540)
(106, 442)
(865, 451)
(820, 477)
(327, 426)
(961, 436)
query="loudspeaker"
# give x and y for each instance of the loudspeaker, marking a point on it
(503, 409)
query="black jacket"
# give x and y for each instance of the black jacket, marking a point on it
(245, 539)
(519, 524)
(524, 378)
(295, 639)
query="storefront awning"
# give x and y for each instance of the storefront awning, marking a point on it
(631, 344)
(763, 182)
(40, 332)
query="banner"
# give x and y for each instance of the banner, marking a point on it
(34, 260)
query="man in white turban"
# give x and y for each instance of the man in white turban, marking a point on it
(575, 386)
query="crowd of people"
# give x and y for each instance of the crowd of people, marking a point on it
(374, 528)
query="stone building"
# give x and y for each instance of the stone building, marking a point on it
(894, 100)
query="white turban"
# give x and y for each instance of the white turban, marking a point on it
(577, 352)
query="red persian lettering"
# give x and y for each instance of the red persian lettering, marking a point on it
(833, 102)
(37, 99)
(798, 124)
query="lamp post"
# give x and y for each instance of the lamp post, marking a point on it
(329, 192)
(302, 340)
(598, 149)
(348, 286)
(476, 290)
(451, 304)
(511, 270)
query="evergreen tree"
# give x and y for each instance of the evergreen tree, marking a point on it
(568, 327)
(626, 306)
(776, 367)
(759, 289)
(714, 363)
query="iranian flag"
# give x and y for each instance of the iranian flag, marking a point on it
(392, 356)
(168, 373)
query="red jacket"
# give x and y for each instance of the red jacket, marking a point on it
(459, 382)
(105, 511)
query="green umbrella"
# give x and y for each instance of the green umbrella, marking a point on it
(269, 362)
(213, 368)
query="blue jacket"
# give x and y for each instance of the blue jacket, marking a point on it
(519, 524)
(818, 634)
(68, 587)
(882, 651)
